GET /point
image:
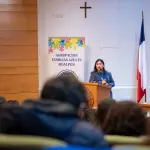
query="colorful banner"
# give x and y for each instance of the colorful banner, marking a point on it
(66, 56)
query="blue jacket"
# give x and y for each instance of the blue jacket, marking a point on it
(64, 124)
(99, 76)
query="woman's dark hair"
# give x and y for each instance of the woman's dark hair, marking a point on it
(65, 89)
(95, 69)
(102, 111)
(125, 118)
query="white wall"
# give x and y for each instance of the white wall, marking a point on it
(111, 30)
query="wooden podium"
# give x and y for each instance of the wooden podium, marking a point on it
(97, 92)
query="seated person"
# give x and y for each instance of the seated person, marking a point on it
(102, 111)
(13, 102)
(61, 107)
(125, 118)
(2, 100)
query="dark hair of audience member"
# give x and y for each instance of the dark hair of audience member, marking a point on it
(28, 103)
(125, 118)
(102, 110)
(17, 120)
(2, 100)
(13, 102)
(66, 90)
(90, 115)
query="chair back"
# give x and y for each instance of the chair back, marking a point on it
(16, 142)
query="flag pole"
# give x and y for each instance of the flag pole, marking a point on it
(142, 15)
(145, 96)
(145, 89)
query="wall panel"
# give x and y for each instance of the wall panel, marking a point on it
(18, 49)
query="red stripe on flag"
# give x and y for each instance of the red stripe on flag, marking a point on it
(140, 91)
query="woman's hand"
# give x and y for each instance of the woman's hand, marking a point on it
(104, 82)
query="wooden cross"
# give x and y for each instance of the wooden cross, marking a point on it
(85, 8)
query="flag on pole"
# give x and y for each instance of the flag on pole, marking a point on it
(141, 67)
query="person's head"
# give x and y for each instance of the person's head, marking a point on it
(103, 109)
(99, 65)
(66, 90)
(2, 100)
(125, 118)
(13, 102)
(28, 103)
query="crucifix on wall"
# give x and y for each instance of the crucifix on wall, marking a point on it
(85, 9)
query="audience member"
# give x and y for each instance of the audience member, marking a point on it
(2, 100)
(126, 118)
(62, 105)
(13, 102)
(28, 103)
(102, 111)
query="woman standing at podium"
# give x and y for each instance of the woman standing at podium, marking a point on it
(100, 75)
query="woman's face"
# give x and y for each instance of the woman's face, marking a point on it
(99, 66)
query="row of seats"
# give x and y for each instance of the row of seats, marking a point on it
(34, 141)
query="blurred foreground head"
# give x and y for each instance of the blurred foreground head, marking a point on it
(65, 89)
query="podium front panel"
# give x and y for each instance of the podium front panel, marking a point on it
(96, 93)
(91, 94)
